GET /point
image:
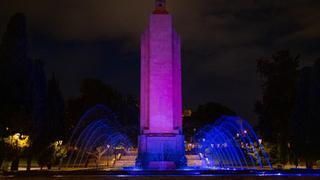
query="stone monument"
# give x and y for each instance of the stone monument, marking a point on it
(161, 140)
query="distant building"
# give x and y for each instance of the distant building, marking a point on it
(187, 113)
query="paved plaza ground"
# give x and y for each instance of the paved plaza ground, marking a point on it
(165, 175)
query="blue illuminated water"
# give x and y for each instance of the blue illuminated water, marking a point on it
(98, 127)
(231, 144)
(228, 147)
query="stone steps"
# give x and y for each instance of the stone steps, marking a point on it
(126, 161)
(194, 160)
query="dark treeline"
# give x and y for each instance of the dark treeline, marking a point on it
(93, 92)
(203, 115)
(306, 113)
(30, 104)
(289, 108)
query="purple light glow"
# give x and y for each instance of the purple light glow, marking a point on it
(161, 105)
(161, 143)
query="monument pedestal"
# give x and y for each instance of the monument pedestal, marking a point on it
(161, 151)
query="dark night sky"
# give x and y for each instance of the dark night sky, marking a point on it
(221, 41)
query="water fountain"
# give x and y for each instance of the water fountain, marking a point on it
(228, 147)
(231, 143)
(98, 135)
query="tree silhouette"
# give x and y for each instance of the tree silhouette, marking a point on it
(279, 74)
(305, 122)
(205, 114)
(15, 81)
(94, 91)
(98, 153)
(23, 89)
(55, 114)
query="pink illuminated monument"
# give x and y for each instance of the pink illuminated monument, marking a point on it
(161, 141)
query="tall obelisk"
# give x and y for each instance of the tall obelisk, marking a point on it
(161, 141)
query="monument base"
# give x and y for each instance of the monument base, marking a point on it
(161, 151)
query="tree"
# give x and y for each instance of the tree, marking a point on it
(52, 154)
(305, 122)
(16, 143)
(98, 153)
(279, 75)
(15, 81)
(59, 152)
(93, 92)
(23, 88)
(205, 114)
(50, 124)
(15, 75)
(55, 114)
(39, 107)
